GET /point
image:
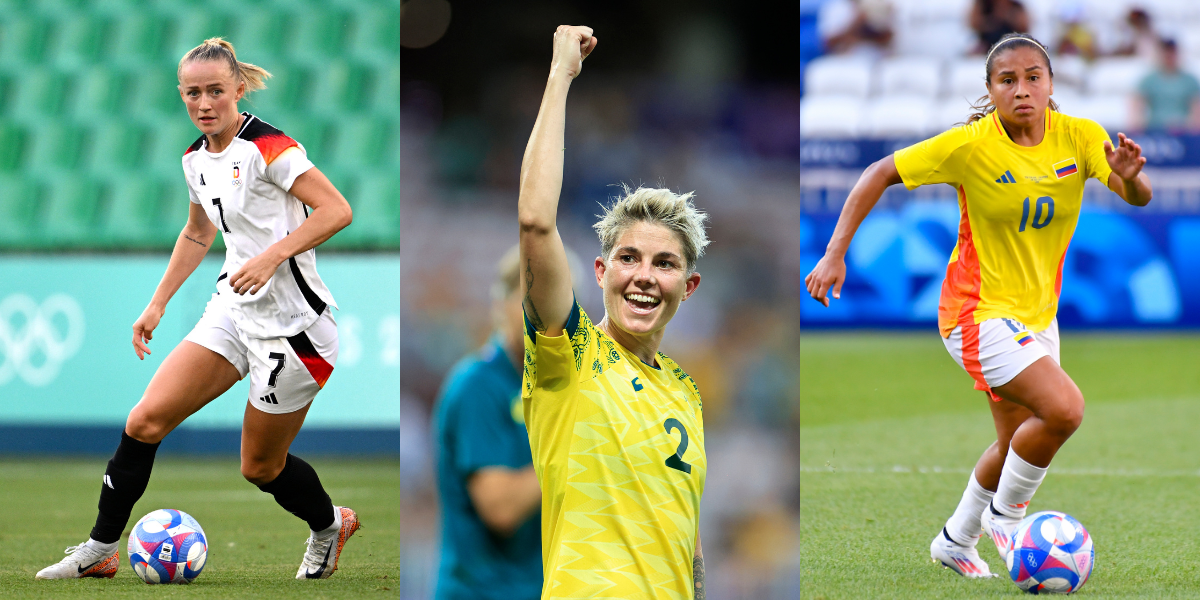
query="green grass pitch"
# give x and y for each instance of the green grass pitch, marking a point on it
(255, 546)
(891, 428)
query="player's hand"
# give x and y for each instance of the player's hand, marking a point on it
(829, 274)
(254, 274)
(143, 330)
(572, 44)
(1126, 160)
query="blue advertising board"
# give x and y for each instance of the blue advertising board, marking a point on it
(67, 361)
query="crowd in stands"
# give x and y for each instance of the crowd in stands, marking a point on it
(911, 68)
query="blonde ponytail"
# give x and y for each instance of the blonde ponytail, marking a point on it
(219, 49)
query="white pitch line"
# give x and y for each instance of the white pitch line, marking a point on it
(925, 470)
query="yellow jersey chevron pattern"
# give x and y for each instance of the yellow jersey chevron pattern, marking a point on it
(618, 446)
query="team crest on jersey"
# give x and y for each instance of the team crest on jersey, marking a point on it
(1065, 168)
(237, 174)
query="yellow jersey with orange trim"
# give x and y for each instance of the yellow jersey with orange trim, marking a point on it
(618, 446)
(1019, 206)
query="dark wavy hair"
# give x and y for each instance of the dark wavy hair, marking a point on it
(983, 106)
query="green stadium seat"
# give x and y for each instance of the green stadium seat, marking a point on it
(134, 216)
(320, 32)
(20, 198)
(73, 206)
(376, 204)
(140, 36)
(194, 25)
(341, 86)
(260, 36)
(287, 90)
(385, 97)
(156, 92)
(366, 143)
(12, 146)
(168, 139)
(377, 29)
(313, 134)
(39, 93)
(82, 40)
(57, 145)
(102, 93)
(118, 148)
(25, 39)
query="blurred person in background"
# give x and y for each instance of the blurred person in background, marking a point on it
(1076, 37)
(620, 496)
(1168, 98)
(992, 19)
(491, 535)
(1140, 39)
(856, 26)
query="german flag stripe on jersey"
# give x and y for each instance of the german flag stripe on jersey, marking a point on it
(271, 142)
(317, 366)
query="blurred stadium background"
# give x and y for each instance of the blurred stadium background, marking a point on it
(92, 199)
(696, 96)
(890, 426)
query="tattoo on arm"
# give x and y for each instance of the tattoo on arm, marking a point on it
(202, 244)
(530, 311)
(698, 576)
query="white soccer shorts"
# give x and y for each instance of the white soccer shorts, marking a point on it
(285, 373)
(996, 350)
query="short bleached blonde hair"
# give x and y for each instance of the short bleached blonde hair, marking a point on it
(655, 205)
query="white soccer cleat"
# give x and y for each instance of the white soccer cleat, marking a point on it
(321, 558)
(89, 559)
(1000, 528)
(964, 560)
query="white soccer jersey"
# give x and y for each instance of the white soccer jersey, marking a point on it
(244, 191)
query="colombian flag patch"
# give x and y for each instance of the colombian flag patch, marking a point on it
(1065, 168)
(1023, 338)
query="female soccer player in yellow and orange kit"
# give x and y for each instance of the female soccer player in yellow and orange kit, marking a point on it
(1018, 167)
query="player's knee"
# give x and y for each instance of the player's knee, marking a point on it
(260, 472)
(144, 427)
(1067, 415)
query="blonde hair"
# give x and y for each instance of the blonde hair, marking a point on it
(220, 50)
(655, 205)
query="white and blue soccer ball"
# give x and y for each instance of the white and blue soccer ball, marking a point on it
(1051, 554)
(167, 546)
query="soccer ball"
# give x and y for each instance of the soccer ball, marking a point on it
(1052, 554)
(167, 546)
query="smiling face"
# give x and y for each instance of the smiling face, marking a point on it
(644, 278)
(1020, 85)
(211, 93)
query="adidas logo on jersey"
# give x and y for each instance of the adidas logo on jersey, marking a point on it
(270, 399)
(1007, 177)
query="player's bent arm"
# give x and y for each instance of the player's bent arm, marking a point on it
(698, 570)
(504, 498)
(830, 272)
(545, 274)
(330, 214)
(1137, 192)
(193, 243)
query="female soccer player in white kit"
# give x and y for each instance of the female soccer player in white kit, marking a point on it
(270, 316)
(1018, 168)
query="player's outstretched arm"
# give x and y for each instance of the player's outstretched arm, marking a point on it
(1127, 178)
(545, 275)
(830, 272)
(330, 214)
(190, 248)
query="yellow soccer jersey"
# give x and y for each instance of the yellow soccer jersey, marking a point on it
(1018, 206)
(618, 446)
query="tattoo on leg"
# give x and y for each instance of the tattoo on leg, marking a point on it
(189, 238)
(530, 311)
(698, 576)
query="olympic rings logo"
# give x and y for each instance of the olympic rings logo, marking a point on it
(35, 340)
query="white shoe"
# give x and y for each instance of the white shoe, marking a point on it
(963, 559)
(1000, 528)
(89, 559)
(321, 558)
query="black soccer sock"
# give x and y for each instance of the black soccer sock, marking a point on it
(298, 490)
(125, 481)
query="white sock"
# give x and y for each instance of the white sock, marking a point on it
(335, 527)
(1018, 482)
(106, 548)
(963, 526)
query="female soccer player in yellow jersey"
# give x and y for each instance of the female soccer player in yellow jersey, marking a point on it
(1018, 167)
(615, 426)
